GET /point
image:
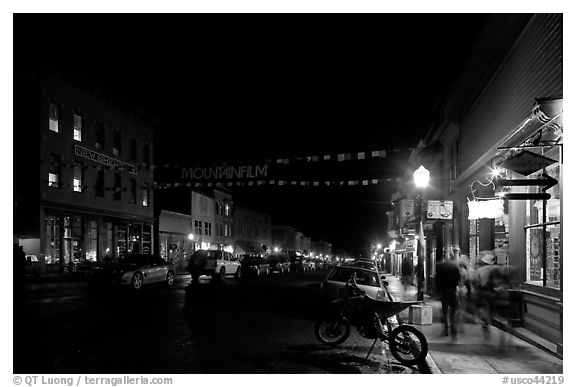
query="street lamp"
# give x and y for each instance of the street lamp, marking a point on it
(421, 179)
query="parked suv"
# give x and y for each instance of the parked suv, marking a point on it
(216, 263)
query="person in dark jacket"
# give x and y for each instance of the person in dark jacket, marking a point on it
(447, 281)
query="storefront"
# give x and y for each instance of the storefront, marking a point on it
(78, 238)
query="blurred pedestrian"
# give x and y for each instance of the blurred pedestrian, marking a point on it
(486, 283)
(465, 303)
(447, 281)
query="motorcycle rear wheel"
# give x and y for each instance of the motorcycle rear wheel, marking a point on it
(332, 332)
(408, 345)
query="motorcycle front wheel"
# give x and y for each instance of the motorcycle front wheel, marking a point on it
(332, 332)
(408, 345)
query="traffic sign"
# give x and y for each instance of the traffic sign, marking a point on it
(545, 180)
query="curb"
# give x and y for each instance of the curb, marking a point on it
(430, 365)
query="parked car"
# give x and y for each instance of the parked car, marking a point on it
(136, 270)
(367, 279)
(216, 263)
(309, 264)
(278, 263)
(365, 264)
(253, 264)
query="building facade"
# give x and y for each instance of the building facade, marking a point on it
(503, 122)
(82, 178)
(202, 215)
(252, 232)
(284, 238)
(223, 219)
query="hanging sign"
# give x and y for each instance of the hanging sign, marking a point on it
(526, 163)
(489, 209)
(545, 180)
(439, 209)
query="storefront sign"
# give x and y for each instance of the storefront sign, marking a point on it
(527, 162)
(489, 209)
(439, 209)
(411, 245)
(103, 159)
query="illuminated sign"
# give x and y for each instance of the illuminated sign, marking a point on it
(439, 209)
(489, 209)
(227, 173)
(103, 159)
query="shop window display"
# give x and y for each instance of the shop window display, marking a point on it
(543, 218)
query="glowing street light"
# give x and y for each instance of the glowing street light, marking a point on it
(421, 180)
(421, 177)
(276, 249)
(191, 237)
(379, 246)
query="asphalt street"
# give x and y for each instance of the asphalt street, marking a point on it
(254, 325)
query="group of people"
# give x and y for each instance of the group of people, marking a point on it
(462, 289)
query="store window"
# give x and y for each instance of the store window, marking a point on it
(77, 127)
(78, 178)
(543, 234)
(146, 239)
(54, 117)
(53, 249)
(121, 240)
(92, 247)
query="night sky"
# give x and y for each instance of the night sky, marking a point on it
(252, 87)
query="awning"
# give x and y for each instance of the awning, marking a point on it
(247, 247)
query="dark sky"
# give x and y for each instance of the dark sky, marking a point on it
(252, 87)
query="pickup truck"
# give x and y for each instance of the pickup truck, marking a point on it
(216, 263)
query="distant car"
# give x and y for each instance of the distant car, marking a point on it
(279, 263)
(368, 280)
(308, 265)
(216, 263)
(296, 264)
(136, 270)
(253, 264)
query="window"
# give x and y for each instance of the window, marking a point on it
(227, 209)
(207, 228)
(227, 230)
(100, 182)
(54, 117)
(145, 197)
(133, 149)
(78, 177)
(218, 229)
(117, 143)
(543, 223)
(198, 227)
(91, 248)
(100, 135)
(132, 190)
(146, 154)
(117, 186)
(53, 249)
(54, 171)
(77, 127)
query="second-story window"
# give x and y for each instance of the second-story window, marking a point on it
(227, 209)
(146, 197)
(207, 228)
(133, 149)
(100, 135)
(54, 117)
(54, 171)
(117, 143)
(198, 227)
(77, 182)
(100, 183)
(133, 190)
(146, 154)
(78, 127)
(117, 186)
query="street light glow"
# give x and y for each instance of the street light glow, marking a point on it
(379, 246)
(276, 249)
(191, 236)
(421, 177)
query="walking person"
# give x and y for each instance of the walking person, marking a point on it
(486, 279)
(447, 280)
(407, 275)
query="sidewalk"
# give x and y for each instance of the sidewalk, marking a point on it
(474, 352)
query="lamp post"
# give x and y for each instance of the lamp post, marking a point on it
(421, 179)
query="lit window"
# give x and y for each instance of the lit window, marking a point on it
(145, 194)
(116, 143)
(54, 117)
(54, 171)
(227, 209)
(77, 127)
(77, 178)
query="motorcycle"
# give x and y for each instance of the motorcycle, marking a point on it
(373, 320)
